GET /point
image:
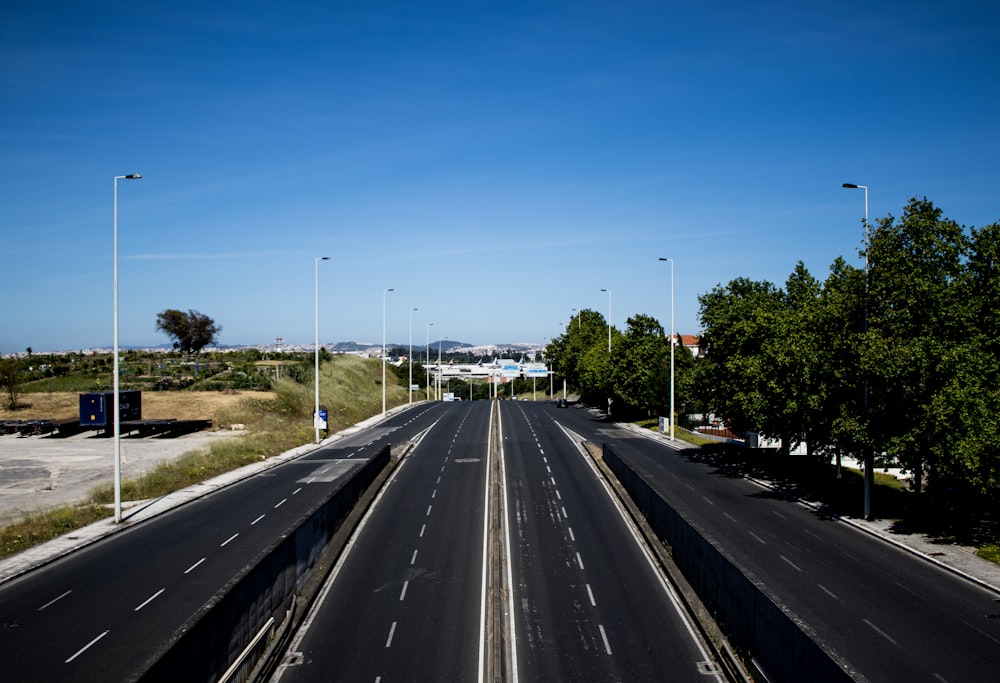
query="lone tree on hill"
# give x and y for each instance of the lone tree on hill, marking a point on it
(10, 380)
(191, 331)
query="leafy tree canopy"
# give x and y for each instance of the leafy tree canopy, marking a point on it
(191, 331)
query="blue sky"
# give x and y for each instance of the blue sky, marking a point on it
(496, 164)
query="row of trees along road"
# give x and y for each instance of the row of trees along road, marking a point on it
(635, 374)
(905, 361)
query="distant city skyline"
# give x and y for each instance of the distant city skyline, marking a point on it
(497, 166)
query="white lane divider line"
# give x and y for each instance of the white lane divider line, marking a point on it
(572, 537)
(604, 637)
(413, 559)
(150, 599)
(194, 566)
(54, 601)
(590, 593)
(761, 540)
(579, 560)
(280, 503)
(402, 595)
(880, 632)
(828, 592)
(229, 540)
(87, 647)
(790, 563)
(257, 520)
(392, 631)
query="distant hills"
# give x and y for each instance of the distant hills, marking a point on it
(446, 345)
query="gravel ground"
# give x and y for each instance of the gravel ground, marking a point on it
(41, 472)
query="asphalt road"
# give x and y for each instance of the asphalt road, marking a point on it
(101, 613)
(590, 606)
(405, 604)
(884, 613)
(406, 601)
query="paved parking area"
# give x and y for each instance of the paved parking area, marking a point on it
(41, 472)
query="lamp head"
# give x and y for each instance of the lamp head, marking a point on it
(133, 176)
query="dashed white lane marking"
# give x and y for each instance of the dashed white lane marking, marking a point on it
(150, 599)
(86, 647)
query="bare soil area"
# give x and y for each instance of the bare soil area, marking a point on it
(40, 472)
(182, 405)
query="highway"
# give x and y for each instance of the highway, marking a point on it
(406, 602)
(884, 614)
(590, 605)
(407, 599)
(104, 612)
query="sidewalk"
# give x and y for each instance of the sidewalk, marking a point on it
(957, 559)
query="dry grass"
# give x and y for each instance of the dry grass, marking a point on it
(182, 405)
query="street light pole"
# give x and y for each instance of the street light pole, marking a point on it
(672, 335)
(609, 341)
(409, 356)
(117, 387)
(427, 358)
(316, 346)
(609, 318)
(867, 455)
(385, 293)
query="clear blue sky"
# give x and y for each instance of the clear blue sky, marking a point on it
(497, 164)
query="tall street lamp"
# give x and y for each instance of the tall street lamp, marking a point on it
(672, 340)
(867, 455)
(117, 387)
(409, 356)
(385, 293)
(609, 318)
(427, 359)
(316, 420)
(609, 340)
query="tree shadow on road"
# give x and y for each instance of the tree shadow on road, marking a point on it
(945, 516)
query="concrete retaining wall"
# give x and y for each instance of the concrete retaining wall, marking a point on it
(753, 623)
(204, 648)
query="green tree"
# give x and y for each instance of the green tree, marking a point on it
(191, 331)
(735, 378)
(839, 322)
(917, 328)
(10, 380)
(965, 413)
(641, 365)
(580, 355)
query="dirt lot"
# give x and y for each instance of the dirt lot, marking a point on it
(182, 405)
(40, 472)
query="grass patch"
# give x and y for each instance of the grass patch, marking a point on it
(990, 552)
(39, 528)
(693, 438)
(276, 422)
